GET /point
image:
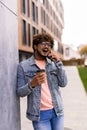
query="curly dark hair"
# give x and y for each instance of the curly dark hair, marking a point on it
(38, 38)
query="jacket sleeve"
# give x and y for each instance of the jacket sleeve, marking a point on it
(62, 78)
(23, 88)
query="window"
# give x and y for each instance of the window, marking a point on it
(47, 5)
(24, 32)
(41, 14)
(67, 51)
(41, 1)
(29, 35)
(23, 7)
(34, 31)
(34, 12)
(44, 17)
(28, 7)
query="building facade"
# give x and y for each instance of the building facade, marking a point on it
(35, 16)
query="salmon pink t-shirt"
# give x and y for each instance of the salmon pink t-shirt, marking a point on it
(46, 99)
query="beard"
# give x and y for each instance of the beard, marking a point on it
(40, 54)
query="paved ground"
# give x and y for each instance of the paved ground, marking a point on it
(75, 104)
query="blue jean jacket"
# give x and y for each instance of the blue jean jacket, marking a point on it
(56, 78)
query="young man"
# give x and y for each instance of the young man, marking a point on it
(39, 78)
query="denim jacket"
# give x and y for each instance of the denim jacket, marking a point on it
(56, 78)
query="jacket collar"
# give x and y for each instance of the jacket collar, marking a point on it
(31, 60)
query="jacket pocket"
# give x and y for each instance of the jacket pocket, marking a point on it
(29, 75)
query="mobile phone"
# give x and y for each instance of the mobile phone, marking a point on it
(40, 70)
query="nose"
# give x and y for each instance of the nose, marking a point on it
(46, 45)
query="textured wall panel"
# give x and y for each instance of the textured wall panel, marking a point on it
(9, 102)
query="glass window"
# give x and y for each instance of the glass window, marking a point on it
(36, 14)
(24, 32)
(33, 11)
(34, 31)
(23, 7)
(41, 1)
(44, 17)
(29, 35)
(41, 14)
(28, 7)
(67, 51)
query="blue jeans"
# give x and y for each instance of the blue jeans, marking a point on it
(49, 121)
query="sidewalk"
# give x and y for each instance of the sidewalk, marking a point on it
(75, 101)
(75, 104)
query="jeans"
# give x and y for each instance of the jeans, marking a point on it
(49, 121)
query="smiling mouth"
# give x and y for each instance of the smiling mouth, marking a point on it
(45, 50)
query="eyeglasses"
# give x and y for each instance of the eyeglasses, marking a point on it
(47, 43)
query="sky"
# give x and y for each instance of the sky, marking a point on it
(75, 22)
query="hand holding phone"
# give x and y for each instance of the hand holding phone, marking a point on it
(55, 56)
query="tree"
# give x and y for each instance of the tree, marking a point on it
(83, 50)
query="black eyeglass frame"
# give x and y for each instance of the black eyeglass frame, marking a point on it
(46, 43)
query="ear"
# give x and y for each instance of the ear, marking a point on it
(35, 47)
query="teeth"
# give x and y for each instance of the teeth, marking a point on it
(45, 50)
